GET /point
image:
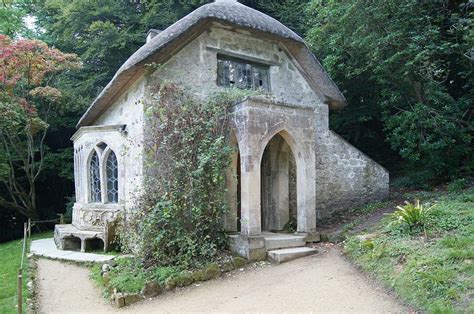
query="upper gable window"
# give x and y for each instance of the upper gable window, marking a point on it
(234, 72)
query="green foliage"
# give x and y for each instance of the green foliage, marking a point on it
(457, 185)
(178, 219)
(413, 215)
(161, 274)
(127, 276)
(11, 19)
(105, 34)
(289, 12)
(370, 207)
(414, 179)
(406, 70)
(432, 272)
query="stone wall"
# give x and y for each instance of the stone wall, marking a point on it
(195, 66)
(345, 177)
(120, 127)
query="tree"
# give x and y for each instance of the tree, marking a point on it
(27, 101)
(405, 67)
(289, 12)
(11, 19)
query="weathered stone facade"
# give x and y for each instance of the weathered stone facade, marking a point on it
(346, 177)
(287, 123)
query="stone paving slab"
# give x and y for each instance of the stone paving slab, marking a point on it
(47, 248)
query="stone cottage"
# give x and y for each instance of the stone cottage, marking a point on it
(288, 167)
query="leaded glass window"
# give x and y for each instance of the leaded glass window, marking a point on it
(94, 175)
(234, 72)
(112, 178)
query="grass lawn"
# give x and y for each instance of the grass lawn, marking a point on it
(10, 256)
(430, 268)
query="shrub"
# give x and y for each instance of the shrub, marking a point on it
(457, 185)
(178, 219)
(413, 215)
(163, 273)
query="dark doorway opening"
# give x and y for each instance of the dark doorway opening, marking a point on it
(278, 186)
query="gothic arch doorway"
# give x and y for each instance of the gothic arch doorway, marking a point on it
(278, 186)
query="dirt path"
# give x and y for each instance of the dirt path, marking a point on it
(321, 283)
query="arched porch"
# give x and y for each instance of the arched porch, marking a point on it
(270, 138)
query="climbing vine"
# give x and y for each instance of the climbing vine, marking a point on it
(179, 216)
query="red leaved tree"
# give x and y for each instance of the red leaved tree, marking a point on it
(28, 68)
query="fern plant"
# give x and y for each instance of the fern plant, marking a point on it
(413, 215)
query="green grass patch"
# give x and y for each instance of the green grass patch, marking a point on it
(430, 267)
(129, 276)
(10, 257)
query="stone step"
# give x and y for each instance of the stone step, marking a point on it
(285, 255)
(283, 241)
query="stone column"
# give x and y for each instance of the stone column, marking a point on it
(230, 219)
(250, 223)
(306, 194)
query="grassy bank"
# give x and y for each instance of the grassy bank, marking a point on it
(10, 256)
(429, 267)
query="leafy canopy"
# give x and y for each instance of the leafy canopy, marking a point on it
(406, 68)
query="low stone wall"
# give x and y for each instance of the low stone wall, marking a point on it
(345, 177)
(153, 288)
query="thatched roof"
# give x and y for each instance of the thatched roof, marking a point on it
(165, 44)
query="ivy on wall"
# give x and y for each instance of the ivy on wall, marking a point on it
(179, 216)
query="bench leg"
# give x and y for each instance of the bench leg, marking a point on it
(106, 245)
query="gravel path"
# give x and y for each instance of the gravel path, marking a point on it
(325, 282)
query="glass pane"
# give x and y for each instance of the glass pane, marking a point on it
(112, 178)
(234, 72)
(94, 175)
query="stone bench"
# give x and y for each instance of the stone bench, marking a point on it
(69, 237)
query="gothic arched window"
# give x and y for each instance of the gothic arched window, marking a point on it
(112, 178)
(94, 175)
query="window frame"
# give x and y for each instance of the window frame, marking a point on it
(242, 61)
(103, 153)
(94, 192)
(107, 156)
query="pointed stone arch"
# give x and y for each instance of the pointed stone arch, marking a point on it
(256, 121)
(277, 169)
(94, 176)
(110, 171)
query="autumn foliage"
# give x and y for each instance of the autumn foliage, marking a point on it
(28, 69)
